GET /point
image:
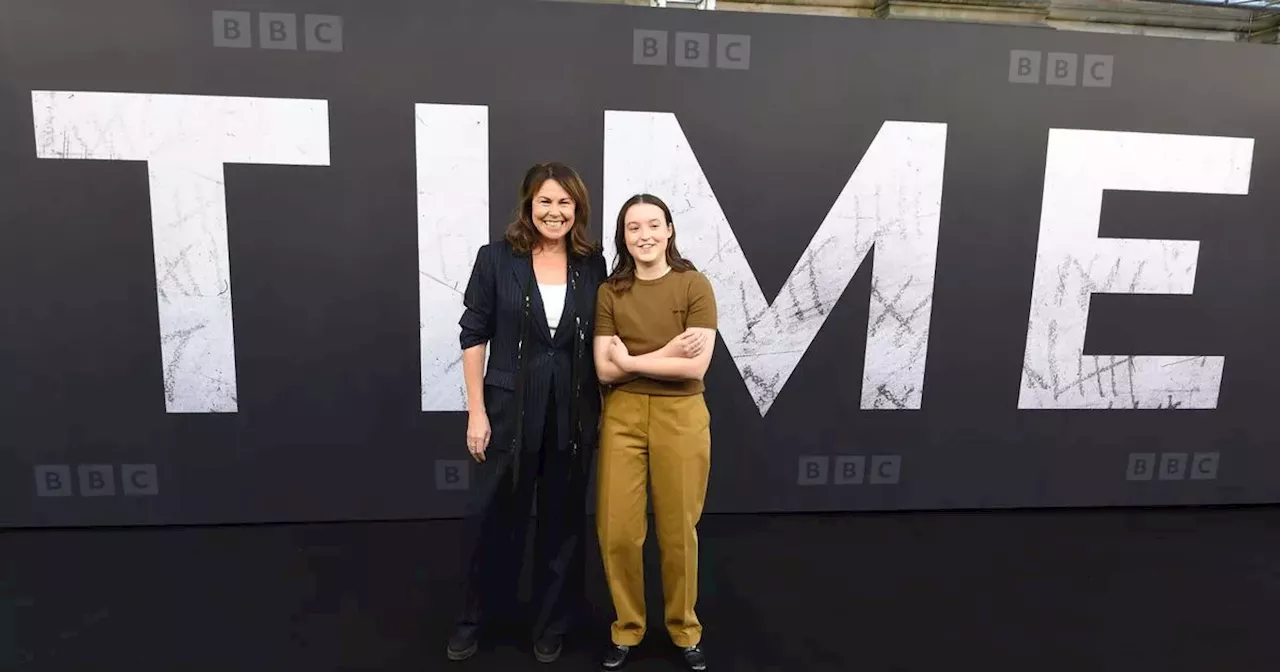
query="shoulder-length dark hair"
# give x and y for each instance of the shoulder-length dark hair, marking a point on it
(624, 265)
(521, 232)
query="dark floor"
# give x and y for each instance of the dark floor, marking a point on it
(1132, 591)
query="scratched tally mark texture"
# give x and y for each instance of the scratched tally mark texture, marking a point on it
(186, 140)
(892, 201)
(1073, 263)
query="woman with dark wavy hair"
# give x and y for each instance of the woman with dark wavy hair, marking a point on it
(656, 429)
(533, 415)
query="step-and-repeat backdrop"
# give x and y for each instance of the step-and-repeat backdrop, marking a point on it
(956, 266)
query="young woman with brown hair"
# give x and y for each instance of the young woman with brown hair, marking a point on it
(656, 429)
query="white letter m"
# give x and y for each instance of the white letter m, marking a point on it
(891, 202)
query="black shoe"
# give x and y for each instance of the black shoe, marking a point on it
(615, 656)
(695, 658)
(462, 646)
(547, 649)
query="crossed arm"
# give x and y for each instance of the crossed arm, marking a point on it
(614, 365)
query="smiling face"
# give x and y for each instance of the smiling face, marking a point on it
(647, 233)
(552, 212)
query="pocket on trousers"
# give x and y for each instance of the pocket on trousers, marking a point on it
(699, 414)
(616, 415)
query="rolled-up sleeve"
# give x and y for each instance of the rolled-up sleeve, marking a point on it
(478, 302)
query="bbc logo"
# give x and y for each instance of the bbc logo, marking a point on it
(95, 480)
(690, 50)
(321, 32)
(453, 474)
(1061, 69)
(1172, 466)
(850, 470)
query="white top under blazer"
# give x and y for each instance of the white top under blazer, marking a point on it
(553, 303)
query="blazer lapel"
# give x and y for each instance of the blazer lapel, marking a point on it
(523, 268)
(573, 281)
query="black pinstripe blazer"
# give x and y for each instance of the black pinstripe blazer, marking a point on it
(527, 367)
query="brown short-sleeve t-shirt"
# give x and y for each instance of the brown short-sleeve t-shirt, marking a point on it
(652, 312)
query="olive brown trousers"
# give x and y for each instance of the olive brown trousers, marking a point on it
(663, 442)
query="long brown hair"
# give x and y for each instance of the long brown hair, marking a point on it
(624, 265)
(521, 232)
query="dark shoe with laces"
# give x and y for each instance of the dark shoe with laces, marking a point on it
(615, 656)
(547, 649)
(462, 645)
(695, 658)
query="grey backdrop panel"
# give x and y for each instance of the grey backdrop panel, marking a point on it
(325, 264)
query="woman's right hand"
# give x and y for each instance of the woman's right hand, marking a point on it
(478, 433)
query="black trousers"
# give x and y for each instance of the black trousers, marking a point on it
(494, 536)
